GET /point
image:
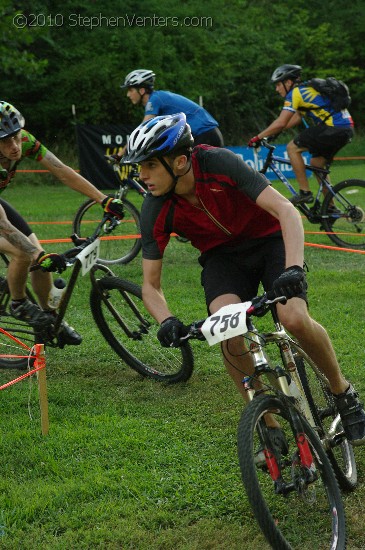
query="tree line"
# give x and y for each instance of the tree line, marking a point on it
(223, 51)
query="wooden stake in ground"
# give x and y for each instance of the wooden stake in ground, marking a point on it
(42, 387)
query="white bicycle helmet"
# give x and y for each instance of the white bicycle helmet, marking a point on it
(11, 121)
(139, 78)
(157, 137)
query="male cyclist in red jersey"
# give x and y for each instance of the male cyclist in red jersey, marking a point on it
(246, 232)
(15, 144)
(331, 129)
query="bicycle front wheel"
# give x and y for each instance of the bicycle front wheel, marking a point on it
(344, 214)
(295, 506)
(123, 244)
(328, 421)
(121, 317)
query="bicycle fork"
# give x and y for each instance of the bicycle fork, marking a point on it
(302, 457)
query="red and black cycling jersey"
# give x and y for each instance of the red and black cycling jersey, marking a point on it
(227, 214)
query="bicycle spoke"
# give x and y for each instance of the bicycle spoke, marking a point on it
(301, 507)
(118, 247)
(132, 332)
(345, 214)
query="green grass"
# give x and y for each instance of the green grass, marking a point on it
(133, 464)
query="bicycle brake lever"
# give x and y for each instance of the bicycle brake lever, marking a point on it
(113, 223)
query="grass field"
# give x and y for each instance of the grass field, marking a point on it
(133, 464)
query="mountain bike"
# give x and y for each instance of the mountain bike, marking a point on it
(293, 489)
(125, 243)
(117, 308)
(338, 209)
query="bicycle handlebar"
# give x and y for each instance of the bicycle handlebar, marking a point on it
(81, 243)
(260, 306)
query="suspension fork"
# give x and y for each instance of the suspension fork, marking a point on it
(276, 376)
(260, 363)
(305, 453)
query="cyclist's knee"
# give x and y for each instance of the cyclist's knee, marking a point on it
(291, 147)
(318, 162)
(20, 258)
(294, 316)
(233, 346)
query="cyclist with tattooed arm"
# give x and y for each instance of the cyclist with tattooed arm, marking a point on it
(17, 239)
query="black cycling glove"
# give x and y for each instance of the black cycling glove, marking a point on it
(290, 283)
(170, 332)
(113, 206)
(52, 262)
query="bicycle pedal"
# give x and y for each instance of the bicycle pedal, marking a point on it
(44, 335)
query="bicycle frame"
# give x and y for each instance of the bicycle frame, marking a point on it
(66, 297)
(273, 161)
(72, 254)
(285, 380)
(277, 376)
(129, 182)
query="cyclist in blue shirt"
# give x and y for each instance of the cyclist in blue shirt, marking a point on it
(330, 130)
(140, 84)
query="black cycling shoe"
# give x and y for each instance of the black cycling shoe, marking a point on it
(68, 336)
(352, 415)
(32, 314)
(279, 446)
(303, 197)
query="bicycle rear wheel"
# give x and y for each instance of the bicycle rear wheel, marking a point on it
(121, 317)
(328, 422)
(344, 214)
(303, 508)
(123, 244)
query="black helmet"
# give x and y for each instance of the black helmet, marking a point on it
(11, 121)
(157, 137)
(286, 72)
(140, 78)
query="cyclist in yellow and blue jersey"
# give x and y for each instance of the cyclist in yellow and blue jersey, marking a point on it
(24, 248)
(330, 130)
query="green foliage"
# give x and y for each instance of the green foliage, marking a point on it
(83, 51)
(15, 44)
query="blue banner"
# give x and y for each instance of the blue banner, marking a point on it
(256, 157)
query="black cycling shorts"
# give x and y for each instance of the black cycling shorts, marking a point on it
(211, 137)
(240, 272)
(324, 141)
(16, 219)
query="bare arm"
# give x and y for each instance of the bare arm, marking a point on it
(283, 121)
(14, 236)
(294, 121)
(148, 117)
(69, 177)
(153, 297)
(290, 221)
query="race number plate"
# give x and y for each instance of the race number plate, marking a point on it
(88, 257)
(227, 322)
